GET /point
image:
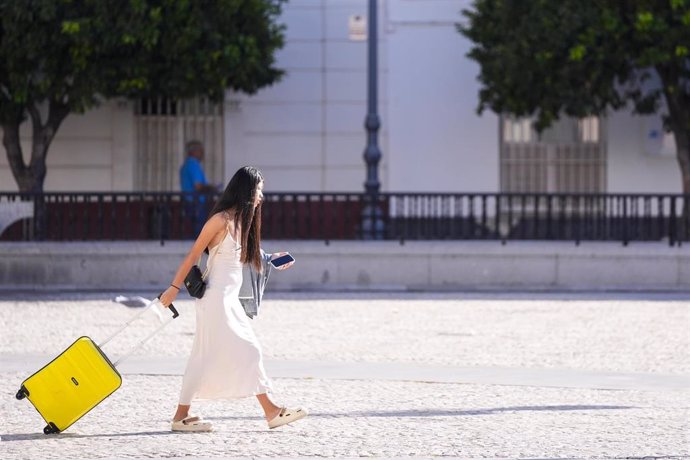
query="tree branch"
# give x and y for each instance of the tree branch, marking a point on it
(678, 77)
(57, 112)
(36, 123)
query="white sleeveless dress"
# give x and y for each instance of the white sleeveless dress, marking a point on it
(226, 360)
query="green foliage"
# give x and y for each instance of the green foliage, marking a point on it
(72, 53)
(544, 58)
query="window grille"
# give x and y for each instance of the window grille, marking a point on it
(569, 157)
(163, 127)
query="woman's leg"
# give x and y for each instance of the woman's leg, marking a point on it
(269, 407)
(182, 412)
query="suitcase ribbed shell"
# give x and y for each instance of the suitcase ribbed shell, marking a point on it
(72, 384)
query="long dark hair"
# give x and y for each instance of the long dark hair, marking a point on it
(240, 195)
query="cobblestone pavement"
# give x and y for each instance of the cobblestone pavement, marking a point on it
(364, 417)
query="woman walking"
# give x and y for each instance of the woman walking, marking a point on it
(226, 360)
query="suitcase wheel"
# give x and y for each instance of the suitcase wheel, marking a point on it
(50, 428)
(22, 393)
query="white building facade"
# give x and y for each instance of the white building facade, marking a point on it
(307, 132)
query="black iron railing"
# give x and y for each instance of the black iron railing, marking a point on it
(340, 216)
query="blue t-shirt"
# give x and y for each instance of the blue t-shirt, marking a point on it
(191, 173)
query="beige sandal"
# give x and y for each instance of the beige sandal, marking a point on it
(192, 424)
(287, 416)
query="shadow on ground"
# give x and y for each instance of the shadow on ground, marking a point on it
(363, 414)
(67, 435)
(445, 413)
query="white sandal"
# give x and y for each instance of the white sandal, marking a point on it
(192, 424)
(287, 416)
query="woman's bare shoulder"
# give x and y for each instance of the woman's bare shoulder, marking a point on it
(223, 219)
(218, 220)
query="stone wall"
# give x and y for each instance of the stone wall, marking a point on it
(350, 265)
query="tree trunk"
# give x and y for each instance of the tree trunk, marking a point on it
(20, 170)
(683, 154)
(679, 120)
(30, 178)
(678, 104)
(679, 110)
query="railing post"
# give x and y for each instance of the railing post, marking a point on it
(160, 221)
(71, 235)
(672, 228)
(86, 216)
(625, 220)
(100, 217)
(574, 217)
(562, 225)
(661, 224)
(295, 215)
(497, 218)
(114, 217)
(372, 218)
(471, 224)
(523, 217)
(549, 234)
(39, 216)
(686, 219)
(485, 232)
(405, 220)
(324, 228)
(510, 218)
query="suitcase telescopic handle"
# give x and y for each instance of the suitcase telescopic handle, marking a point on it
(147, 338)
(135, 317)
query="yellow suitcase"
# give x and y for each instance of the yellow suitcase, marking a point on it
(75, 382)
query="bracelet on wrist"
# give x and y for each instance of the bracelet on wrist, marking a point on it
(172, 285)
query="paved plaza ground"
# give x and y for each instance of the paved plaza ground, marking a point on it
(468, 375)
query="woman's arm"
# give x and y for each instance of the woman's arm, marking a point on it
(212, 227)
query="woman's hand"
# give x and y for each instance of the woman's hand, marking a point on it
(169, 296)
(275, 255)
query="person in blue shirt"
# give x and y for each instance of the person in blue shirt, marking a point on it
(193, 182)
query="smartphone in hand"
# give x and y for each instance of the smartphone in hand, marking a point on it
(282, 260)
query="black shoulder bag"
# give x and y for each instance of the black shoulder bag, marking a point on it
(195, 281)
